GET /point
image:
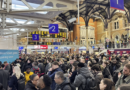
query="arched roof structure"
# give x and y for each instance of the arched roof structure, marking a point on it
(92, 9)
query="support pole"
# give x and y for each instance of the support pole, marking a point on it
(87, 47)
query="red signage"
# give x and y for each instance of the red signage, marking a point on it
(43, 46)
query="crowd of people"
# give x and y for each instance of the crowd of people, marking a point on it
(66, 72)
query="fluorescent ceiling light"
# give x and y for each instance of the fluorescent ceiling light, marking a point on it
(22, 30)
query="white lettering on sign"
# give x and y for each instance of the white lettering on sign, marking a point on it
(53, 28)
(35, 37)
(117, 1)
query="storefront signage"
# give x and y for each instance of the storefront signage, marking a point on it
(40, 46)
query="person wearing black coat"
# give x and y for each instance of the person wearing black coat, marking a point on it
(32, 84)
(4, 77)
(44, 83)
(41, 66)
(105, 72)
(13, 81)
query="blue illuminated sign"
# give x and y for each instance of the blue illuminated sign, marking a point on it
(55, 47)
(117, 4)
(53, 29)
(21, 48)
(35, 37)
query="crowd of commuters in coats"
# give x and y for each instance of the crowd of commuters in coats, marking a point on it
(66, 72)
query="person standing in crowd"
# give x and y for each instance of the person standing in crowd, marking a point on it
(35, 69)
(7, 66)
(27, 74)
(62, 66)
(107, 84)
(4, 77)
(44, 83)
(1, 87)
(113, 67)
(124, 87)
(48, 66)
(74, 71)
(26, 64)
(80, 79)
(106, 72)
(62, 83)
(41, 66)
(32, 84)
(13, 82)
(55, 68)
(125, 77)
(83, 61)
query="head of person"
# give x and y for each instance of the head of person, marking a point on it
(28, 61)
(126, 70)
(106, 84)
(124, 87)
(5, 63)
(114, 61)
(34, 79)
(35, 63)
(104, 64)
(82, 60)
(39, 61)
(96, 67)
(28, 69)
(55, 65)
(48, 60)
(59, 77)
(61, 61)
(123, 59)
(75, 65)
(17, 71)
(80, 65)
(44, 81)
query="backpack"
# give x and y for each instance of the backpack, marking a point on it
(72, 87)
(90, 83)
(21, 84)
(36, 71)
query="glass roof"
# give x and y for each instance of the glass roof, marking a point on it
(19, 5)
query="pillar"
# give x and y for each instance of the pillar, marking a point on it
(109, 30)
(87, 47)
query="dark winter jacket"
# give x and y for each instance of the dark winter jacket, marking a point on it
(13, 82)
(62, 66)
(80, 79)
(46, 88)
(35, 68)
(63, 86)
(42, 67)
(48, 66)
(52, 76)
(30, 86)
(106, 73)
(72, 78)
(4, 77)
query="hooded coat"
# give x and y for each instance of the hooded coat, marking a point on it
(80, 79)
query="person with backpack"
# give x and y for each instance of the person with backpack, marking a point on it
(32, 83)
(62, 83)
(85, 79)
(35, 69)
(27, 74)
(16, 76)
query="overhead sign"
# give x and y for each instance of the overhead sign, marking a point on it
(21, 47)
(55, 47)
(36, 46)
(43, 46)
(53, 29)
(35, 37)
(117, 4)
(9, 55)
